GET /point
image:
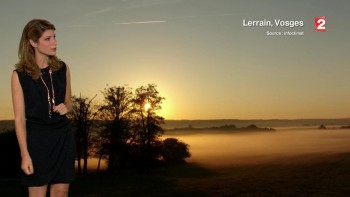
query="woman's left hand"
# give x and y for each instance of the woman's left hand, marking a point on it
(61, 109)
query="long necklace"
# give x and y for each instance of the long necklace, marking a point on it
(50, 101)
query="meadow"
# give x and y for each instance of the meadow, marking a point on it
(285, 162)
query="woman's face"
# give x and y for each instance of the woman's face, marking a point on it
(46, 44)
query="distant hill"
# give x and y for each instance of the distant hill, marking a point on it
(228, 128)
(272, 123)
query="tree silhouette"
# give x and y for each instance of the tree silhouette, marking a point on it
(175, 151)
(147, 124)
(129, 129)
(99, 145)
(83, 115)
(116, 110)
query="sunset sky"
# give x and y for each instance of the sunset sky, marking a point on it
(203, 60)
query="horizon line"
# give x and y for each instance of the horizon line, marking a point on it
(238, 119)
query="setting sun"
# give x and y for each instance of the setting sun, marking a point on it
(147, 106)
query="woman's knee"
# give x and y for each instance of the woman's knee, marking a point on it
(59, 190)
(37, 191)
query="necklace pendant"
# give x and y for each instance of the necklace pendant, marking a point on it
(50, 100)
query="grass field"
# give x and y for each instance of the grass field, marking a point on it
(284, 163)
(308, 175)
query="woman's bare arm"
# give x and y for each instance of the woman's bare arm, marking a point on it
(20, 123)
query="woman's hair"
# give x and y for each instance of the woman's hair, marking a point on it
(26, 53)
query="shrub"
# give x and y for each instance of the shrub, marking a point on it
(175, 151)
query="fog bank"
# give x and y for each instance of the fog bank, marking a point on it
(284, 146)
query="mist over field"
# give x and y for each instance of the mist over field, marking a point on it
(281, 146)
(285, 145)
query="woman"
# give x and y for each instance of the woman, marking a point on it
(41, 95)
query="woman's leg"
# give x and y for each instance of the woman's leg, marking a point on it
(59, 190)
(37, 191)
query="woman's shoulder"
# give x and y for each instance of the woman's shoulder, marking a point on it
(62, 64)
(62, 67)
(23, 77)
(20, 72)
(18, 69)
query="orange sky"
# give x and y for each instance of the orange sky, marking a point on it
(198, 53)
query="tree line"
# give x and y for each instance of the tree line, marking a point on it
(124, 129)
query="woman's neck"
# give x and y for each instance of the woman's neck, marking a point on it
(42, 60)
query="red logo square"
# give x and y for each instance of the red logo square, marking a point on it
(320, 23)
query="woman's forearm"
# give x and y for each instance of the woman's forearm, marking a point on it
(21, 134)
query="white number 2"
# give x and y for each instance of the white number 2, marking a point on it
(321, 23)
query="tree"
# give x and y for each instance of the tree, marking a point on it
(83, 115)
(116, 110)
(99, 145)
(175, 151)
(131, 128)
(147, 124)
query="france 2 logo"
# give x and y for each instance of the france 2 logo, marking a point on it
(320, 23)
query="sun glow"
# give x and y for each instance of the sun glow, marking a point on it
(147, 106)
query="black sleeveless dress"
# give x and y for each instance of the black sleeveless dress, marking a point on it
(50, 140)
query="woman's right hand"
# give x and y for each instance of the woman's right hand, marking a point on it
(27, 165)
